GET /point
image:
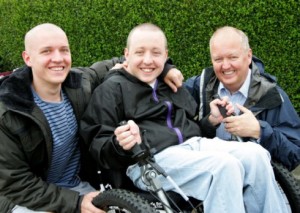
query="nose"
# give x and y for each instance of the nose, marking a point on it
(226, 64)
(148, 58)
(57, 56)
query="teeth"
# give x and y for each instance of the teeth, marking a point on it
(147, 70)
(57, 68)
(228, 72)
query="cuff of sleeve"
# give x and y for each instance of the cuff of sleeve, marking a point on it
(168, 65)
(265, 131)
(78, 209)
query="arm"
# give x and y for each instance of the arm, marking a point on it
(19, 184)
(277, 130)
(280, 132)
(171, 76)
(192, 85)
(5, 204)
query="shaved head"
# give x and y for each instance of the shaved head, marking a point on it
(34, 33)
(48, 54)
(146, 27)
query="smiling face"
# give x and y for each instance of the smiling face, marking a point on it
(231, 57)
(47, 52)
(146, 53)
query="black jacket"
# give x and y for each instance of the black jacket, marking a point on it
(26, 141)
(124, 97)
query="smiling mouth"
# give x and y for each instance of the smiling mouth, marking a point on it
(228, 72)
(57, 68)
(147, 70)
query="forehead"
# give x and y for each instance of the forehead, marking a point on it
(147, 39)
(47, 39)
(230, 43)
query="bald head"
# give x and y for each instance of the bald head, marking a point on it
(229, 33)
(145, 27)
(40, 30)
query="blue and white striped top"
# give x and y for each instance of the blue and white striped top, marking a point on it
(65, 164)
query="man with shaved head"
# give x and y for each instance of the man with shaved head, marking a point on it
(44, 164)
(42, 158)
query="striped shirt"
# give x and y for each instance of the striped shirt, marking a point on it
(65, 164)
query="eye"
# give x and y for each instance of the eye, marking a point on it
(65, 50)
(233, 58)
(218, 60)
(46, 51)
(139, 52)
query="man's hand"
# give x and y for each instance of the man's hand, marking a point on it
(216, 117)
(245, 125)
(128, 135)
(174, 79)
(119, 66)
(87, 206)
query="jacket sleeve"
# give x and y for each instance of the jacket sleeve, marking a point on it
(280, 132)
(192, 85)
(21, 186)
(102, 67)
(168, 66)
(98, 71)
(5, 204)
(97, 126)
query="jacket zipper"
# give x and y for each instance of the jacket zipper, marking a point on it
(169, 114)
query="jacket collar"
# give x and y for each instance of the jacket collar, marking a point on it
(263, 93)
(15, 91)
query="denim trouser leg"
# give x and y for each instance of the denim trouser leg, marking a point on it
(202, 175)
(261, 192)
(228, 176)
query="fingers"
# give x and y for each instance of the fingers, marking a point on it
(117, 66)
(128, 135)
(134, 128)
(242, 108)
(87, 205)
(174, 79)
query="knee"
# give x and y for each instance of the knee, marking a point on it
(229, 164)
(257, 152)
(255, 155)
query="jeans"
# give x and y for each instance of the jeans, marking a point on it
(82, 188)
(231, 177)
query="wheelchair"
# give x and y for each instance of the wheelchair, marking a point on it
(123, 196)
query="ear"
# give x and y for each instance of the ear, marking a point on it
(249, 56)
(167, 52)
(26, 58)
(126, 53)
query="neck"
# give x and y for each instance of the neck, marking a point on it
(48, 94)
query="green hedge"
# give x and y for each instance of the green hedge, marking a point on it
(97, 30)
